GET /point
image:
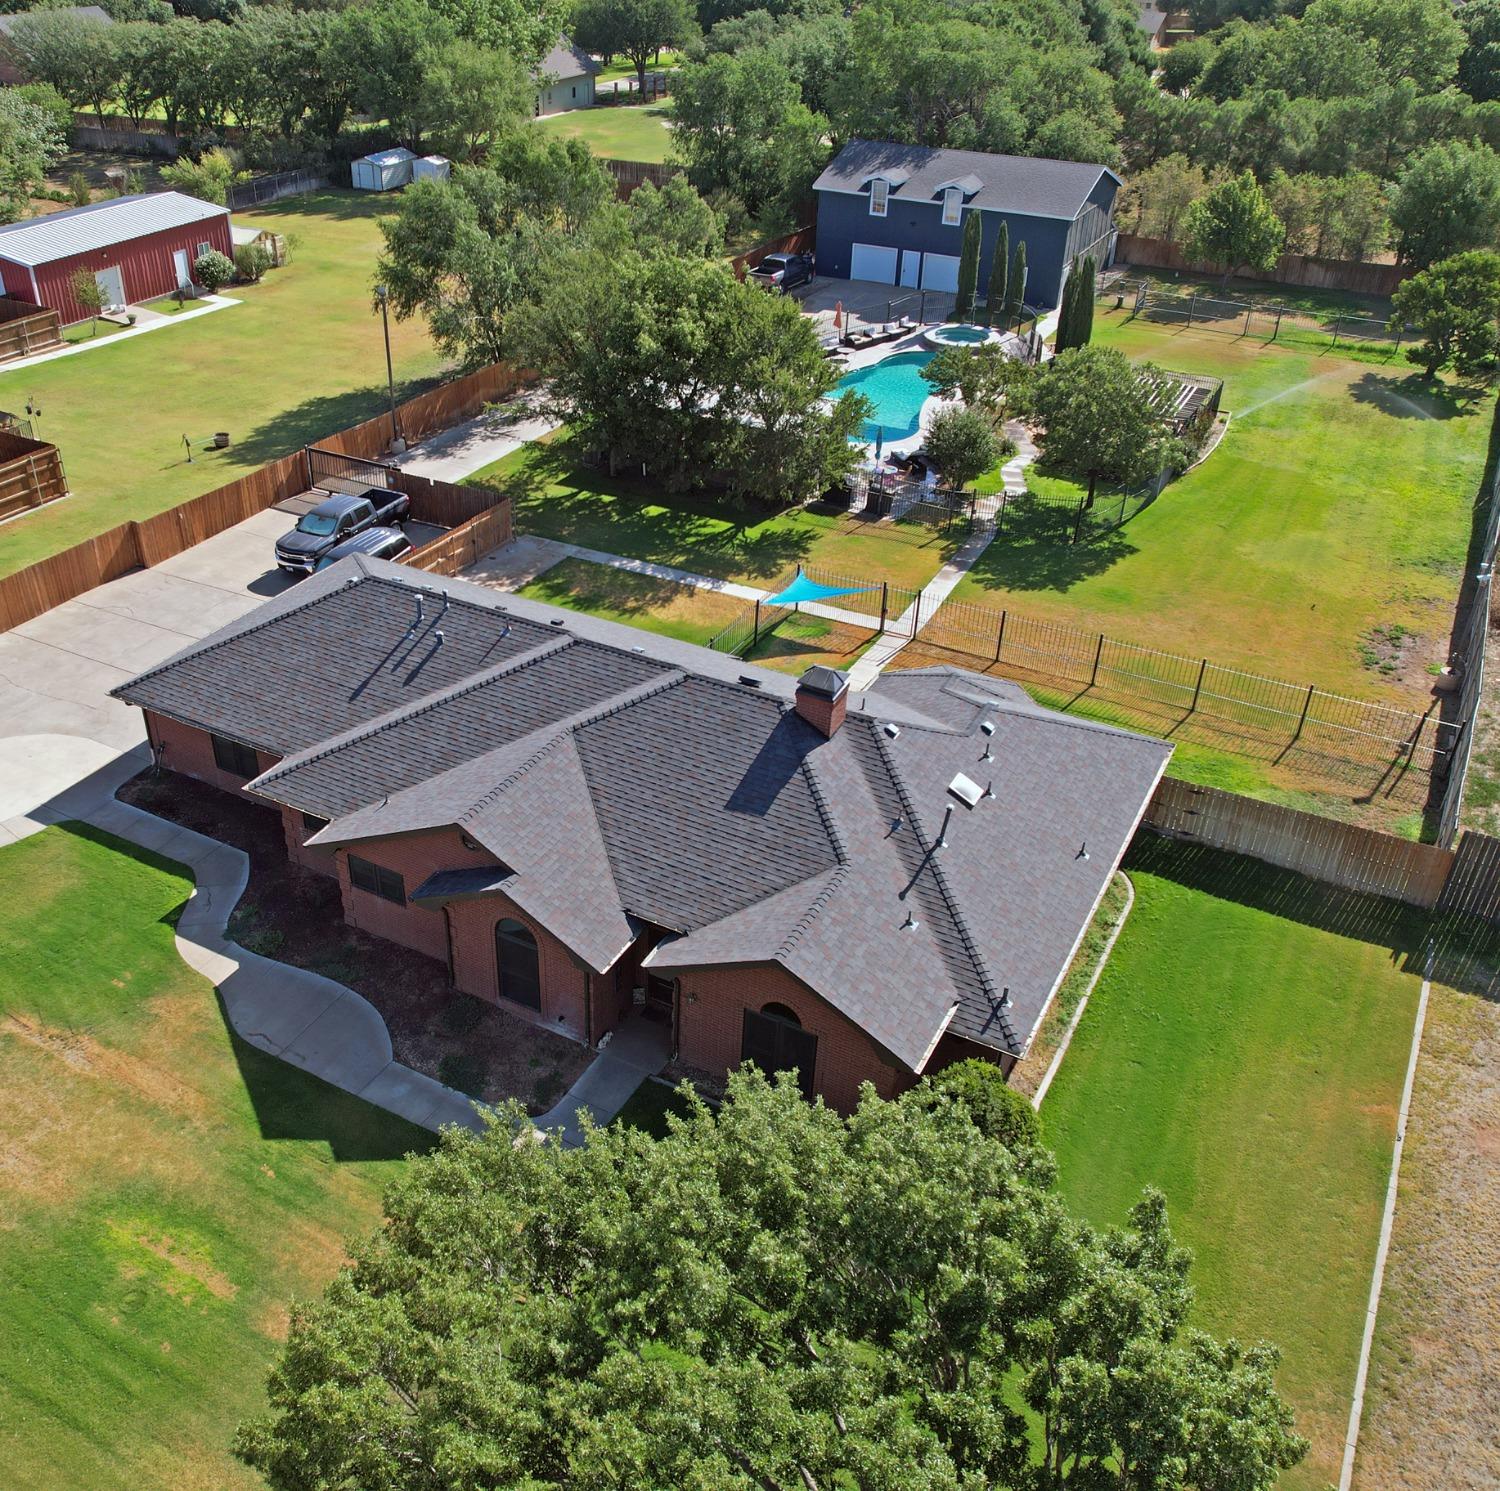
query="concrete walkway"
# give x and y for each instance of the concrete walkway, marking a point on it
(147, 320)
(465, 448)
(312, 1022)
(631, 1053)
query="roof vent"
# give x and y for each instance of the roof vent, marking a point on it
(556, 621)
(891, 731)
(749, 681)
(987, 727)
(967, 791)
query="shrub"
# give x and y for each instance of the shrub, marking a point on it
(963, 445)
(462, 1014)
(251, 261)
(213, 270)
(79, 191)
(463, 1072)
(53, 105)
(268, 942)
(209, 177)
(996, 1109)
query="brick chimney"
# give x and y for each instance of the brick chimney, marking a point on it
(822, 697)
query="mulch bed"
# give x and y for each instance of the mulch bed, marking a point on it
(294, 915)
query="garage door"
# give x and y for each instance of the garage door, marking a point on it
(871, 263)
(940, 272)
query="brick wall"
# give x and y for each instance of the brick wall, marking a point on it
(296, 832)
(414, 857)
(184, 749)
(562, 979)
(712, 1003)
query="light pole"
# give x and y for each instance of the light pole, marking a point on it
(382, 295)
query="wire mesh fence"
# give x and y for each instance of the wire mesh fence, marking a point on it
(1378, 749)
(1266, 322)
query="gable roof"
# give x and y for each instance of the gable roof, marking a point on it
(80, 230)
(623, 781)
(566, 61)
(1028, 186)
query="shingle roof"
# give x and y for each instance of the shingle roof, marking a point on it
(79, 12)
(80, 230)
(1028, 186)
(566, 61)
(623, 780)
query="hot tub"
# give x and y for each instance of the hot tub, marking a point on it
(957, 334)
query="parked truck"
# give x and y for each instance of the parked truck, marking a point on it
(335, 521)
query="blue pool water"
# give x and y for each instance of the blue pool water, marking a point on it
(897, 389)
(957, 334)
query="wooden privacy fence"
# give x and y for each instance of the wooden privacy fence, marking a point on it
(31, 474)
(799, 241)
(135, 545)
(1290, 269)
(1342, 854)
(26, 328)
(629, 174)
(470, 541)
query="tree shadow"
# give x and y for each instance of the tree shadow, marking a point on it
(1032, 550)
(1415, 397)
(1462, 952)
(317, 418)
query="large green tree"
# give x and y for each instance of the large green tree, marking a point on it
(30, 144)
(1447, 200)
(995, 294)
(1455, 307)
(962, 444)
(1233, 224)
(1015, 296)
(1094, 406)
(637, 29)
(769, 1298)
(475, 95)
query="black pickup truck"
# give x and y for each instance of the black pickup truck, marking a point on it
(330, 523)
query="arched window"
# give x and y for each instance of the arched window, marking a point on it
(775, 1041)
(516, 965)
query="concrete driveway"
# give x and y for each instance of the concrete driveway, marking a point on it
(57, 722)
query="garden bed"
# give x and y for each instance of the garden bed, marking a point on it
(295, 915)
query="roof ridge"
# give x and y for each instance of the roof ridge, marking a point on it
(820, 802)
(564, 729)
(836, 878)
(414, 710)
(960, 921)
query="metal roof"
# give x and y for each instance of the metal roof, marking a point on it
(81, 230)
(1028, 186)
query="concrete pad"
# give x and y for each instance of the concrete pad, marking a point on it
(173, 603)
(112, 639)
(35, 769)
(347, 1044)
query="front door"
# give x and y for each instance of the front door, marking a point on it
(181, 267)
(911, 268)
(659, 998)
(111, 286)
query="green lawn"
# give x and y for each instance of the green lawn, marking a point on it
(1244, 1051)
(648, 1107)
(300, 358)
(619, 131)
(166, 1189)
(558, 497)
(626, 69)
(1338, 503)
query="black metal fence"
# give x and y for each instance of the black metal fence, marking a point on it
(260, 190)
(1269, 322)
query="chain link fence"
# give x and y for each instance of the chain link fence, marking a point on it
(1259, 320)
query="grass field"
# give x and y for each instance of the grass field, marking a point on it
(1244, 1051)
(165, 1190)
(300, 358)
(624, 68)
(557, 496)
(1323, 540)
(620, 131)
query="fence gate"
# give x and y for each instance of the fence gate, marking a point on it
(333, 471)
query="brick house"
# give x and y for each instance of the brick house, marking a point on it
(587, 823)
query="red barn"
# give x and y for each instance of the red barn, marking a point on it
(138, 248)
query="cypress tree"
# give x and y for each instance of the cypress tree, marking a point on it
(968, 270)
(1067, 312)
(994, 302)
(1085, 311)
(1016, 290)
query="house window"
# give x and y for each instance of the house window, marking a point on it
(953, 206)
(376, 880)
(575, 90)
(203, 248)
(775, 1041)
(880, 191)
(312, 824)
(516, 965)
(234, 758)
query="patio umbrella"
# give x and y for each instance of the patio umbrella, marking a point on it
(879, 442)
(838, 316)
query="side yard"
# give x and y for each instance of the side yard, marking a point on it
(622, 131)
(166, 1189)
(1244, 1051)
(302, 355)
(1324, 539)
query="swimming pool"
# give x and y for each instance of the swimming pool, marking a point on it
(897, 389)
(959, 335)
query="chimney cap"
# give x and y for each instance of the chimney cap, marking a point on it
(827, 683)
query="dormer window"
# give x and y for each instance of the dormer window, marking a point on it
(880, 191)
(953, 206)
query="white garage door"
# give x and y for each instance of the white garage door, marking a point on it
(940, 272)
(871, 263)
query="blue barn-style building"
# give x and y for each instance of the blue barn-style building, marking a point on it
(895, 214)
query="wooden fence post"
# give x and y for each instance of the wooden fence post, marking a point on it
(1276, 330)
(1193, 301)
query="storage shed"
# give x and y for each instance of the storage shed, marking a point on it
(383, 170)
(137, 248)
(431, 167)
